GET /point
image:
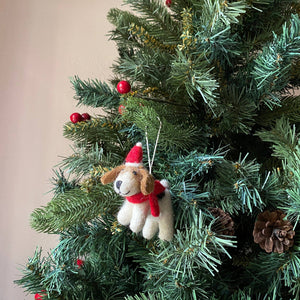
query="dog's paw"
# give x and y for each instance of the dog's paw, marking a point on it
(136, 228)
(123, 218)
(166, 236)
(150, 228)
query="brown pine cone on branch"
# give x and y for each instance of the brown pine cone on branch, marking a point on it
(272, 232)
(224, 225)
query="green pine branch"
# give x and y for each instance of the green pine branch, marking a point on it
(178, 263)
(193, 75)
(74, 207)
(195, 164)
(148, 296)
(83, 162)
(170, 135)
(61, 183)
(283, 139)
(94, 93)
(273, 272)
(272, 67)
(34, 272)
(163, 26)
(101, 235)
(122, 20)
(238, 186)
(172, 269)
(290, 109)
(221, 45)
(187, 200)
(274, 192)
(195, 247)
(148, 67)
(219, 12)
(245, 295)
(57, 276)
(104, 131)
(237, 111)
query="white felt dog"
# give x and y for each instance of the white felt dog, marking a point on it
(147, 206)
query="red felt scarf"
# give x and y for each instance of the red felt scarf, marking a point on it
(153, 200)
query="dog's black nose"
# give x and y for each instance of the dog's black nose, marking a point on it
(118, 184)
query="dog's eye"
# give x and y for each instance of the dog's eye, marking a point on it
(134, 172)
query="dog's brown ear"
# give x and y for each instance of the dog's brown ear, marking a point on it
(147, 182)
(111, 175)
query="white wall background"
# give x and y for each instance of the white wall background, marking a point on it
(42, 44)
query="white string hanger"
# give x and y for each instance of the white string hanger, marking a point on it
(150, 162)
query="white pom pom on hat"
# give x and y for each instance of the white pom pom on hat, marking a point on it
(135, 156)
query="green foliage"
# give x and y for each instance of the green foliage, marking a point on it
(220, 77)
(172, 269)
(151, 73)
(61, 184)
(146, 117)
(195, 247)
(154, 12)
(98, 245)
(33, 272)
(273, 272)
(62, 278)
(272, 67)
(246, 295)
(83, 162)
(285, 145)
(238, 111)
(187, 174)
(74, 207)
(143, 296)
(290, 107)
(106, 132)
(94, 93)
(187, 167)
(283, 138)
(215, 13)
(213, 30)
(195, 77)
(238, 186)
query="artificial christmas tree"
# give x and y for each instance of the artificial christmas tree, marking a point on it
(219, 79)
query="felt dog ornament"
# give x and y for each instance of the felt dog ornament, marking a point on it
(147, 205)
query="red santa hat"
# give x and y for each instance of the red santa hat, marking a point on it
(135, 156)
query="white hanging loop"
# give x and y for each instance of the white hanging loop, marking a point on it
(150, 162)
(148, 151)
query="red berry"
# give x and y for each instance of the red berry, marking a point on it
(123, 87)
(121, 109)
(75, 117)
(79, 262)
(85, 116)
(37, 296)
(168, 3)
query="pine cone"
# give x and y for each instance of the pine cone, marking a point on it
(224, 225)
(272, 233)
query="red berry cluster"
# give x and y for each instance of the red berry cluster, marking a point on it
(121, 109)
(37, 296)
(168, 3)
(77, 117)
